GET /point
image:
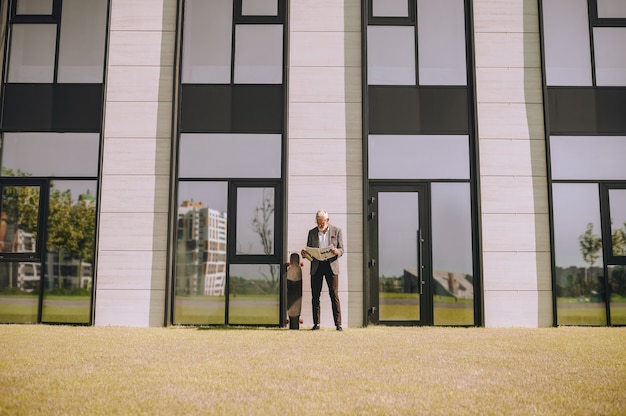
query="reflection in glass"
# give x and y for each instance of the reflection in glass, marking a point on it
(578, 254)
(255, 221)
(70, 247)
(50, 154)
(34, 7)
(201, 253)
(391, 55)
(566, 40)
(588, 157)
(230, 156)
(390, 8)
(207, 35)
(441, 42)
(398, 280)
(617, 209)
(611, 8)
(258, 54)
(610, 55)
(253, 294)
(418, 157)
(81, 47)
(19, 281)
(32, 53)
(453, 281)
(259, 7)
(617, 293)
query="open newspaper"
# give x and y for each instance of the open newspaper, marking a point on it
(321, 254)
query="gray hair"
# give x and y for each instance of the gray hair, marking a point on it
(321, 214)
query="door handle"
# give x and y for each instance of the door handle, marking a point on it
(371, 263)
(420, 260)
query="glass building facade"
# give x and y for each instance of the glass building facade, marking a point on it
(160, 163)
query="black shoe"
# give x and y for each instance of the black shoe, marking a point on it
(315, 328)
(339, 328)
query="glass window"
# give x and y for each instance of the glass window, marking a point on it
(611, 8)
(68, 276)
(259, 7)
(81, 48)
(610, 55)
(617, 293)
(230, 155)
(566, 41)
(258, 54)
(391, 55)
(207, 42)
(579, 157)
(50, 154)
(453, 281)
(34, 7)
(441, 42)
(32, 53)
(390, 8)
(418, 157)
(255, 221)
(253, 294)
(200, 286)
(617, 209)
(578, 254)
(20, 220)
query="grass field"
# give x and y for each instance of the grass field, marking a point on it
(66, 370)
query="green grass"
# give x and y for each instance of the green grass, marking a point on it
(371, 371)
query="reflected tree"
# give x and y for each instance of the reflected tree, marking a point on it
(262, 225)
(590, 246)
(618, 238)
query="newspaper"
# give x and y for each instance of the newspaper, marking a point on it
(320, 254)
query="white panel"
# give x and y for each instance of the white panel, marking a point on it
(324, 85)
(511, 121)
(515, 232)
(325, 120)
(132, 231)
(126, 270)
(610, 55)
(258, 54)
(136, 308)
(529, 309)
(611, 8)
(509, 85)
(138, 119)
(516, 270)
(566, 40)
(134, 193)
(139, 83)
(580, 157)
(140, 48)
(325, 16)
(418, 157)
(159, 15)
(136, 156)
(514, 194)
(341, 157)
(391, 55)
(441, 42)
(317, 49)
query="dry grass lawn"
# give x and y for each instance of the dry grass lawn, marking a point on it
(46, 370)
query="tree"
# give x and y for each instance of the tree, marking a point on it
(590, 246)
(618, 238)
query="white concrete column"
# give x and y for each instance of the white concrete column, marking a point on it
(324, 139)
(512, 164)
(132, 244)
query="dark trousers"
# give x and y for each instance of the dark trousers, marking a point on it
(332, 281)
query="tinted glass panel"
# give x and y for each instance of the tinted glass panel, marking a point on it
(19, 292)
(578, 254)
(617, 294)
(200, 286)
(81, 50)
(611, 8)
(259, 54)
(253, 294)
(51, 154)
(453, 281)
(441, 42)
(588, 157)
(20, 219)
(566, 40)
(207, 42)
(70, 242)
(418, 157)
(391, 55)
(32, 53)
(610, 55)
(259, 7)
(41, 7)
(617, 209)
(230, 155)
(390, 8)
(255, 221)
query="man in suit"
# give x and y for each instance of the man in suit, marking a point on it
(322, 236)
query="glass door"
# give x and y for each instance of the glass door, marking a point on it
(399, 253)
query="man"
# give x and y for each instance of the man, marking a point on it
(323, 236)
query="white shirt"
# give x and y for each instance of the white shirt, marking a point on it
(323, 238)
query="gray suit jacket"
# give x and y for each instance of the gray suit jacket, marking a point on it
(335, 238)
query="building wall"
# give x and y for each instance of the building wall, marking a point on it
(512, 164)
(134, 200)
